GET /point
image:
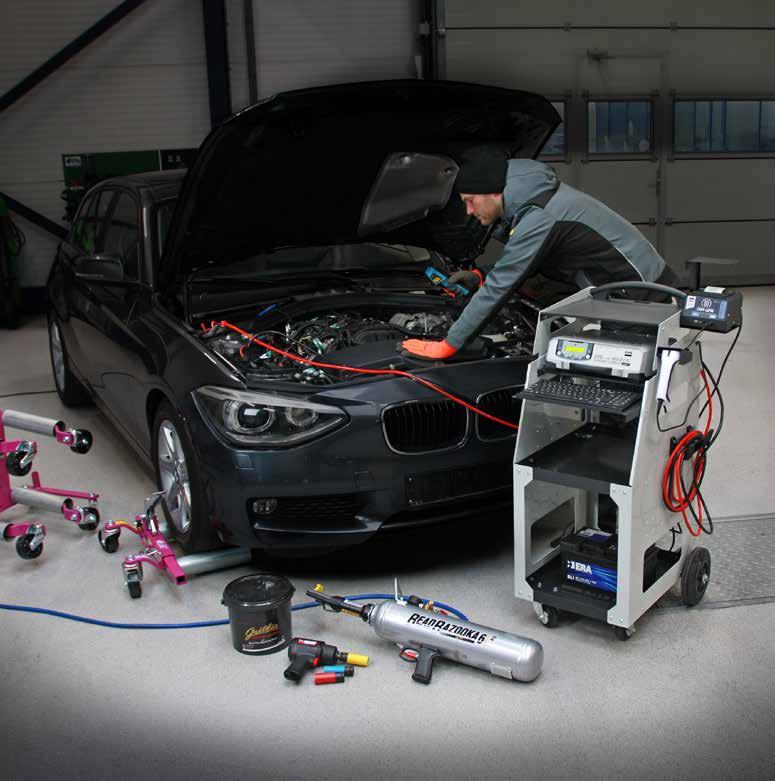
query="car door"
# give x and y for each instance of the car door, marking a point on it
(84, 240)
(119, 348)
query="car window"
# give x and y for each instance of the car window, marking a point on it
(163, 220)
(85, 234)
(122, 235)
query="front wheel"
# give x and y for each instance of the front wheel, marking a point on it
(178, 477)
(69, 388)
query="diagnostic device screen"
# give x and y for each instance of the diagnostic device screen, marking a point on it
(705, 308)
(568, 349)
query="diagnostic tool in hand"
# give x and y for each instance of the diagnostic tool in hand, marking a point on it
(442, 280)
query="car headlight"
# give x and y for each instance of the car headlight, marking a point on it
(256, 419)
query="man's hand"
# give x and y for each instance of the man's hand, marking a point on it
(471, 280)
(428, 349)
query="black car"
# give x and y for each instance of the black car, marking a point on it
(306, 224)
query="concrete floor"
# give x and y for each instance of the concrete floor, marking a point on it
(691, 695)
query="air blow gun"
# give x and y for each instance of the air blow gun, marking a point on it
(424, 632)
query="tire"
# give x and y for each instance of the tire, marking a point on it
(24, 549)
(623, 633)
(14, 467)
(695, 577)
(189, 519)
(551, 617)
(108, 543)
(70, 389)
(91, 519)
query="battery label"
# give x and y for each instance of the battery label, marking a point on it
(593, 575)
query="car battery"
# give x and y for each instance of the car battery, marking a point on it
(589, 560)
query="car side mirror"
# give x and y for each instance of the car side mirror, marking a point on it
(99, 268)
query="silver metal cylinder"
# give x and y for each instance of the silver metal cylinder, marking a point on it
(497, 652)
(34, 423)
(38, 499)
(199, 563)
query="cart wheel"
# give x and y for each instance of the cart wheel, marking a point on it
(83, 442)
(91, 519)
(135, 589)
(550, 617)
(623, 633)
(108, 542)
(695, 576)
(24, 548)
(13, 465)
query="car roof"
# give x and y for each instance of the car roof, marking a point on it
(160, 183)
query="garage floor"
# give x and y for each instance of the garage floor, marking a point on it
(691, 694)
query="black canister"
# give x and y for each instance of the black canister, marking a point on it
(259, 613)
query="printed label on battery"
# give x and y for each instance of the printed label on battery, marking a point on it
(592, 575)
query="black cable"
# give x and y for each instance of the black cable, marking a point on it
(26, 393)
(724, 363)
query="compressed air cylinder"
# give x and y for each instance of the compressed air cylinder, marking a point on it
(499, 653)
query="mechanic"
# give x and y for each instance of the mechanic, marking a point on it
(547, 226)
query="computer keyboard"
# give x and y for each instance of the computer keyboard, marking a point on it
(573, 393)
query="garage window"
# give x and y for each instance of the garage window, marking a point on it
(616, 127)
(555, 147)
(723, 126)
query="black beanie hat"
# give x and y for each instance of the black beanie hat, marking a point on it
(482, 170)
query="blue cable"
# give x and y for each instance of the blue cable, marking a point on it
(192, 625)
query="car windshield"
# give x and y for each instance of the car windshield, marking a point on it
(340, 258)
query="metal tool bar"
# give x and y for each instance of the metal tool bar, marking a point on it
(39, 500)
(199, 563)
(34, 423)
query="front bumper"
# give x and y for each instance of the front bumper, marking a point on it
(344, 487)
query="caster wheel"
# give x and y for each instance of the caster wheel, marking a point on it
(91, 519)
(135, 589)
(695, 576)
(14, 467)
(83, 442)
(24, 549)
(550, 618)
(623, 633)
(108, 542)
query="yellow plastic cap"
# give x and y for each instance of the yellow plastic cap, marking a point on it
(319, 587)
(359, 660)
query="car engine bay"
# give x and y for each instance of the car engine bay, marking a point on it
(359, 334)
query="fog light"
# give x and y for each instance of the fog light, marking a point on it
(264, 506)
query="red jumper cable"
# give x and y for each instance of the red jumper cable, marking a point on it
(252, 339)
(673, 492)
(16, 457)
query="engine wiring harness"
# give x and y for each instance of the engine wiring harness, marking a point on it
(253, 339)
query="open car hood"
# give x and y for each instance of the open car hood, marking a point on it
(298, 169)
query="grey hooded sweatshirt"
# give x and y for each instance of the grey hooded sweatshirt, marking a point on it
(565, 234)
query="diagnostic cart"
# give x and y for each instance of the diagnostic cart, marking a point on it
(613, 383)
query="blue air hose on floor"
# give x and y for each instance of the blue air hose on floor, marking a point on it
(194, 624)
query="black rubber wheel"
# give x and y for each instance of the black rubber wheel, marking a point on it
(135, 589)
(70, 389)
(24, 549)
(108, 543)
(552, 618)
(13, 464)
(193, 531)
(695, 577)
(91, 519)
(622, 633)
(84, 443)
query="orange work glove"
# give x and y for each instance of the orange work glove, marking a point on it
(428, 349)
